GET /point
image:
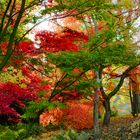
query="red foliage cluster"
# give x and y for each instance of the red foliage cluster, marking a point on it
(134, 73)
(79, 115)
(54, 42)
(25, 47)
(76, 115)
(34, 83)
(53, 116)
(49, 42)
(20, 52)
(37, 87)
(12, 100)
(67, 95)
(4, 47)
(71, 95)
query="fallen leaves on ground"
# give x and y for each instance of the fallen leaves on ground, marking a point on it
(119, 129)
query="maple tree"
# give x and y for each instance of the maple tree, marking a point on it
(14, 17)
(12, 101)
(110, 46)
(15, 50)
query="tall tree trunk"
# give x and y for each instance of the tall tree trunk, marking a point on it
(133, 97)
(106, 104)
(97, 90)
(96, 118)
(95, 109)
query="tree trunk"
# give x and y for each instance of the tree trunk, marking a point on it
(96, 118)
(133, 97)
(106, 121)
(97, 90)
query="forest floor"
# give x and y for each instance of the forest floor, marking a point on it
(121, 128)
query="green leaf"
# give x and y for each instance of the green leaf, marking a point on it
(61, 105)
(44, 82)
(42, 92)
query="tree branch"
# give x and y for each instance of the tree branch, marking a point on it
(3, 18)
(124, 75)
(12, 36)
(9, 20)
(54, 93)
(101, 87)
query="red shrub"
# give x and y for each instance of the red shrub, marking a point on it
(53, 116)
(76, 115)
(12, 101)
(79, 116)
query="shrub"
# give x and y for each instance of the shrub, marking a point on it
(78, 115)
(75, 115)
(7, 133)
(114, 113)
(53, 116)
(12, 102)
(20, 131)
(71, 135)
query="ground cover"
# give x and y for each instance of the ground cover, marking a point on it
(121, 128)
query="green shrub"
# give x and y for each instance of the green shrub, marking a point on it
(114, 113)
(71, 135)
(20, 131)
(8, 134)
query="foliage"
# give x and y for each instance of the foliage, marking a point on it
(20, 131)
(79, 116)
(13, 99)
(7, 133)
(75, 115)
(71, 135)
(107, 47)
(120, 128)
(54, 117)
(114, 113)
(53, 42)
(14, 76)
(36, 108)
(14, 16)
(30, 129)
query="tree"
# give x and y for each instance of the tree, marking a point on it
(110, 46)
(14, 15)
(134, 89)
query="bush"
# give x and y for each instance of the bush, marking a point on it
(78, 115)
(8, 134)
(53, 116)
(71, 135)
(114, 113)
(12, 102)
(20, 131)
